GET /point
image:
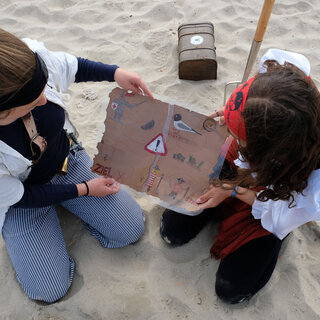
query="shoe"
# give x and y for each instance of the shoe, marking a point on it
(177, 229)
(228, 293)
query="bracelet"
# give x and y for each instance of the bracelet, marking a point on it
(234, 192)
(86, 187)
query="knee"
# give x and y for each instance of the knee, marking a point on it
(50, 287)
(166, 235)
(132, 220)
(229, 292)
(138, 228)
(131, 230)
(49, 293)
(55, 294)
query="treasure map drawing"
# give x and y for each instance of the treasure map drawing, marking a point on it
(161, 149)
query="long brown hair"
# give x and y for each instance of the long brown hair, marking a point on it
(282, 120)
(17, 63)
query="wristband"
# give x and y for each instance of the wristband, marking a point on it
(234, 192)
(86, 187)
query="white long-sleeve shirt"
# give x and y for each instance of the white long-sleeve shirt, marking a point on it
(278, 218)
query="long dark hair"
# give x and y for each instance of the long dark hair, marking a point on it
(282, 120)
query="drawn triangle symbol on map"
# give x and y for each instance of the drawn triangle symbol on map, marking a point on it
(157, 145)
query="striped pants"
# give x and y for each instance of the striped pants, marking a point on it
(34, 240)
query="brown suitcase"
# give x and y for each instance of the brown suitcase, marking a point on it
(197, 55)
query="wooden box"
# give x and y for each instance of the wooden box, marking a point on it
(197, 53)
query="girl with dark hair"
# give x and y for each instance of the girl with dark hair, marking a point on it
(36, 141)
(270, 184)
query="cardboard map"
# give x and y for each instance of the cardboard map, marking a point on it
(161, 149)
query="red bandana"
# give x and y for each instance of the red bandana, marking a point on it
(234, 108)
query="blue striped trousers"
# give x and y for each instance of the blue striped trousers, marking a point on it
(34, 239)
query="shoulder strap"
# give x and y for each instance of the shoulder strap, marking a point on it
(31, 128)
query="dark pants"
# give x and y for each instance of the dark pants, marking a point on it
(245, 271)
(242, 273)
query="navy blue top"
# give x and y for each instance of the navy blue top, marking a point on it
(38, 192)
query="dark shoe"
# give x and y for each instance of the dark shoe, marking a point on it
(177, 229)
(228, 293)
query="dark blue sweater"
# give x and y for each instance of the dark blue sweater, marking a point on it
(38, 192)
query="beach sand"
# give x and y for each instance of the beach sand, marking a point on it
(149, 280)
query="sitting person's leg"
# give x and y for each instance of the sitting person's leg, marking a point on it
(115, 220)
(38, 252)
(177, 229)
(245, 271)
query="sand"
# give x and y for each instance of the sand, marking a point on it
(149, 280)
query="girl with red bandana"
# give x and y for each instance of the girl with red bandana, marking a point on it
(270, 184)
